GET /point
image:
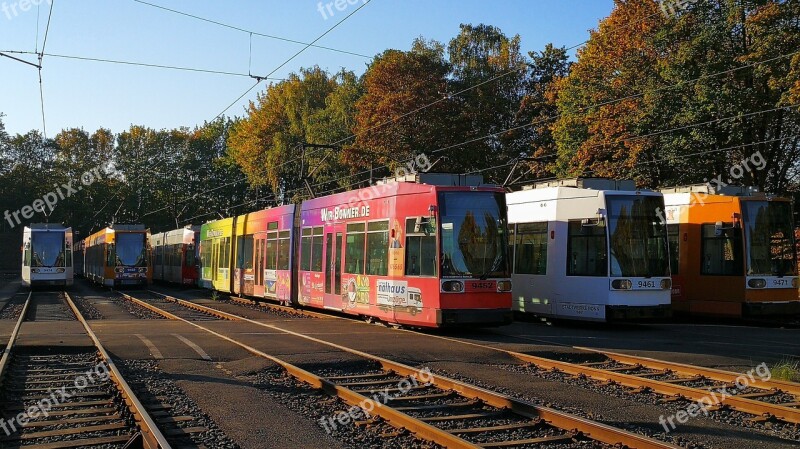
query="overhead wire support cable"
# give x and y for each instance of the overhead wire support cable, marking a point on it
(41, 57)
(291, 58)
(5, 54)
(251, 32)
(137, 64)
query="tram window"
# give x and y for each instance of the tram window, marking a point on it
(189, 261)
(722, 254)
(530, 242)
(673, 235)
(421, 247)
(378, 248)
(205, 258)
(272, 251)
(259, 250)
(283, 250)
(305, 250)
(587, 254)
(225, 252)
(316, 250)
(246, 252)
(354, 249)
(111, 255)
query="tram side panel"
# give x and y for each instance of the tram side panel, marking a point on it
(582, 278)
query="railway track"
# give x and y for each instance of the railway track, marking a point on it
(448, 412)
(67, 397)
(764, 399)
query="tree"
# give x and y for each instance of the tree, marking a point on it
(267, 143)
(491, 71)
(600, 102)
(405, 110)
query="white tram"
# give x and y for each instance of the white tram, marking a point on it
(589, 249)
(47, 256)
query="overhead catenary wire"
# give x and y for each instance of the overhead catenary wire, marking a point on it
(410, 113)
(259, 79)
(553, 117)
(251, 32)
(698, 153)
(41, 58)
(138, 64)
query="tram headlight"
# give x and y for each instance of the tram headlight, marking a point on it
(453, 286)
(503, 286)
(118, 270)
(142, 270)
(60, 270)
(34, 270)
(794, 282)
(757, 283)
(666, 284)
(621, 284)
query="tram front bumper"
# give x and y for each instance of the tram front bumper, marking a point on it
(473, 317)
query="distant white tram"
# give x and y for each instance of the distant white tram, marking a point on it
(47, 256)
(589, 249)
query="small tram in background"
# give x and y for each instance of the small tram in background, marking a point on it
(118, 256)
(428, 250)
(47, 256)
(733, 252)
(589, 249)
(175, 255)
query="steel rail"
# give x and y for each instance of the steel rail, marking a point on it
(269, 305)
(151, 435)
(742, 404)
(594, 430)
(691, 370)
(761, 409)
(12, 340)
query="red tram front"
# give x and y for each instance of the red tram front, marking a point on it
(425, 251)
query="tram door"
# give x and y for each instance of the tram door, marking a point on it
(333, 268)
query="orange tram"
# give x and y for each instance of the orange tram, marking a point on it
(732, 252)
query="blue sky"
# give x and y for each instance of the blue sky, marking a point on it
(90, 95)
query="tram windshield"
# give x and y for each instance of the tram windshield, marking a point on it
(770, 238)
(131, 250)
(473, 234)
(48, 249)
(637, 231)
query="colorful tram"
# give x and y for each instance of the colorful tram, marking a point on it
(118, 256)
(47, 256)
(428, 250)
(733, 252)
(175, 255)
(589, 249)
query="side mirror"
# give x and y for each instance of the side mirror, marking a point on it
(718, 228)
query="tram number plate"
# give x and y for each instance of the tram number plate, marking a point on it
(482, 286)
(646, 284)
(781, 283)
